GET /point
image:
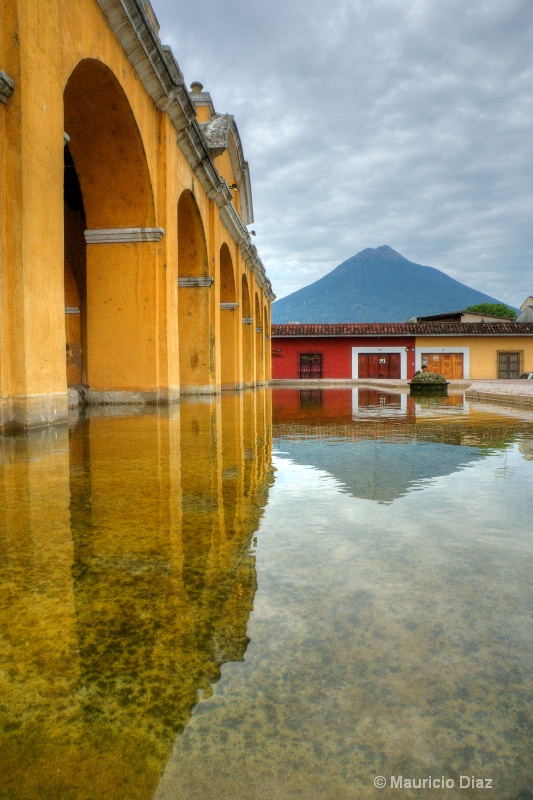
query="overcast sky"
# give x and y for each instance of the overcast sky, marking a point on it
(370, 122)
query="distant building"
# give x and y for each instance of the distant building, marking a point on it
(526, 311)
(459, 316)
(395, 350)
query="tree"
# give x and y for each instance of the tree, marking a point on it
(494, 310)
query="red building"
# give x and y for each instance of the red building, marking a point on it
(343, 350)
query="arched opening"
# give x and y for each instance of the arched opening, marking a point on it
(72, 328)
(266, 344)
(75, 276)
(259, 375)
(196, 336)
(107, 149)
(228, 319)
(110, 275)
(247, 334)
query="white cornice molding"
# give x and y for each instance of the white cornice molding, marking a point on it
(195, 150)
(247, 320)
(189, 282)
(242, 173)
(228, 306)
(121, 235)
(155, 65)
(233, 223)
(163, 80)
(7, 85)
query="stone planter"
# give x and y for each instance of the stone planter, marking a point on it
(428, 384)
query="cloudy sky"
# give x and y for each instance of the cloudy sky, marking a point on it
(371, 122)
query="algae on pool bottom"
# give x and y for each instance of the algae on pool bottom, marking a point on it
(185, 615)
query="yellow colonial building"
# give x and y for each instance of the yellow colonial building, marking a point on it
(127, 270)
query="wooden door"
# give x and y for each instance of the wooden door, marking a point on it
(310, 365)
(449, 365)
(394, 364)
(379, 365)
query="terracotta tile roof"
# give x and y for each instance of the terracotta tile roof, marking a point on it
(405, 329)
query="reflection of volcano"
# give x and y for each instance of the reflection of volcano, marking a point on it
(376, 469)
(380, 445)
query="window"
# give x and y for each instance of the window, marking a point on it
(510, 364)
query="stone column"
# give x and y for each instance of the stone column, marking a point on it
(125, 301)
(32, 343)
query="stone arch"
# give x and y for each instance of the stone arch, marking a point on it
(245, 297)
(266, 343)
(228, 317)
(247, 334)
(109, 235)
(107, 150)
(258, 328)
(227, 277)
(196, 337)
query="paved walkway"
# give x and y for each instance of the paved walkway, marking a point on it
(502, 391)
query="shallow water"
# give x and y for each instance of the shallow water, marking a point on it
(202, 603)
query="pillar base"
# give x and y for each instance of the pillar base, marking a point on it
(200, 389)
(34, 411)
(232, 387)
(99, 397)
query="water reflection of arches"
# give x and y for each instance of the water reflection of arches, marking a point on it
(107, 187)
(259, 339)
(145, 545)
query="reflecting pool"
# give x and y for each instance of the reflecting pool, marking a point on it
(270, 595)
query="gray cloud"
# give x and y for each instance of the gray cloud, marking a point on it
(370, 122)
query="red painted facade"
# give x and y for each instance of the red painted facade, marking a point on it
(336, 352)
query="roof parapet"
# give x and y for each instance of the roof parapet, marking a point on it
(201, 100)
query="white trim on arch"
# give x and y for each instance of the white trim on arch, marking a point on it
(440, 350)
(398, 349)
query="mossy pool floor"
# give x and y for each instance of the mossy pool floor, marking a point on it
(217, 601)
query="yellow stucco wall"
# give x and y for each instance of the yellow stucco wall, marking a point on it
(72, 74)
(483, 351)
